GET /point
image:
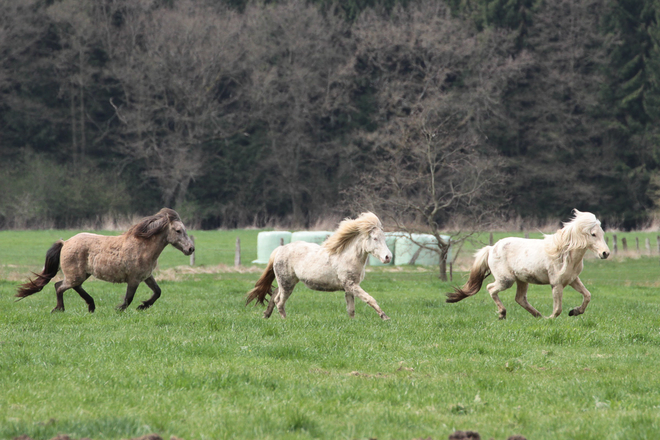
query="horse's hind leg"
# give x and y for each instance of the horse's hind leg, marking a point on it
(151, 282)
(86, 296)
(271, 303)
(128, 299)
(350, 304)
(586, 297)
(59, 293)
(521, 298)
(494, 288)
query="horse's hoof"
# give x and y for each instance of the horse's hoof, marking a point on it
(384, 317)
(91, 309)
(573, 312)
(143, 306)
(57, 309)
(120, 308)
(503, 315)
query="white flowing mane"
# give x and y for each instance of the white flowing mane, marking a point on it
(574, 235)
(349, 229)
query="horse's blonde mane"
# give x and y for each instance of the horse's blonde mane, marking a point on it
(349, 229)
(573, 235)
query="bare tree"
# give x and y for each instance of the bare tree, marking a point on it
(299, 83)
(169, 64)
(439, 87)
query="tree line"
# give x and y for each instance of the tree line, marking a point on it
(240, 113)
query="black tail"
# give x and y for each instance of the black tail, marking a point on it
(51, 267)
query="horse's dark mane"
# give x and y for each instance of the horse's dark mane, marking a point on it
(154, 224)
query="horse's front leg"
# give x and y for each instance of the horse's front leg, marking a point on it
(350, 304)
(128, 299)
(355, 289)
(151, 282)
(557, 294)
(586, 297)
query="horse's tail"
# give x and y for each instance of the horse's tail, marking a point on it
(51, 267)
(264, 285)
(478, 274)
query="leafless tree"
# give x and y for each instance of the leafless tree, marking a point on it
(169, 63)
(439, 86)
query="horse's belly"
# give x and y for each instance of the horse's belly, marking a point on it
(532, 277)
(322, 285)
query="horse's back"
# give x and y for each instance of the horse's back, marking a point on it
(521, 258)
(88, 254)
(307, 262)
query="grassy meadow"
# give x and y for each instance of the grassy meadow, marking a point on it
(201, 365)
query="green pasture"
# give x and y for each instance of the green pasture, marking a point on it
(201, 365)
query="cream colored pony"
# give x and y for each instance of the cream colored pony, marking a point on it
(555, 260)
(337, 264)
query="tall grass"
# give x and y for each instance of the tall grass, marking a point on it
(200, 365)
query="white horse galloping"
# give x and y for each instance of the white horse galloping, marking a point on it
(337, 264)
(556, 260)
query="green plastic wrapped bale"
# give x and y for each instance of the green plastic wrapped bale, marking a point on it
(317, 237)
(390, 240)
(267, 242)
(412, 251)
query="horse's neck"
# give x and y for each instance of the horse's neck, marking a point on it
(355, 251)
(572, 260)
(152, 246)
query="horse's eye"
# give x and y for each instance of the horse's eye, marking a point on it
(593, 235)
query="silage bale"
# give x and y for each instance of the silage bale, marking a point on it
(267, 242)
(390, 240)
(407, 249)
(317, 237)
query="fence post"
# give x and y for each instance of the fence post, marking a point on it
(491, 240)
(192, 256)
(237, 254)
(614, 245)
(637, 243)
(648, 246)
(624, 244)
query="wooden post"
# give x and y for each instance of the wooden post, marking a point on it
(192, 256)
(491, 240)
(526, 234)
(614, 245)
(624, 244)
(657, 240)
(237, 254)
(648, 246)
(451, 271)
(637, 243)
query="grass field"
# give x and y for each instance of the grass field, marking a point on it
(200, 365)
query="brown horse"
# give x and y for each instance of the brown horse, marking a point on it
(128, 258)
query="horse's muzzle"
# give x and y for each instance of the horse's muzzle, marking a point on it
(603, 255)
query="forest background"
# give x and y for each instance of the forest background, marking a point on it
(239, 113)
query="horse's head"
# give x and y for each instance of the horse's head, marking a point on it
(597, 242)
(178, 237)
(595, 236)
(376, 246)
